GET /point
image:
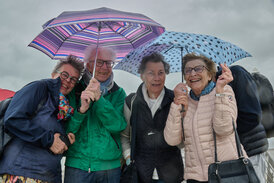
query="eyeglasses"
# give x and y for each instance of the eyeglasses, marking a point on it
(197, 69)
(64, 75)
(100, 63)
(152, 74)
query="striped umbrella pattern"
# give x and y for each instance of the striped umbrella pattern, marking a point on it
(174, 45)
(72, 31)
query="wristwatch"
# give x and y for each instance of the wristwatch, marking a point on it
(219, 94)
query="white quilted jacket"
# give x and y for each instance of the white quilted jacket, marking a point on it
(209, 112)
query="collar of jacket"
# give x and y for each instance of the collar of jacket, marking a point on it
(53, 86)
(169, 95)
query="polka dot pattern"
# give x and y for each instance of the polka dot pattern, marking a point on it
(174, 45)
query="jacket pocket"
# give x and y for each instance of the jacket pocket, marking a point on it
(42, 161)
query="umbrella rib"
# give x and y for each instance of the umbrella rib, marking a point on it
(71, 35)
(172, 46)
(119, 34)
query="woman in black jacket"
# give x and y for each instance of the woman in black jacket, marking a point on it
(156, 161)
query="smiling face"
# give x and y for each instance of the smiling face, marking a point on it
(102, 73)
(66, 84)
(154, 77)
(197, 81)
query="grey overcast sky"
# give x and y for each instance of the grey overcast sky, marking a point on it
(247, 23)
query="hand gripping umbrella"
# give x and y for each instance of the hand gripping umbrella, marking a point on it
(72, 31)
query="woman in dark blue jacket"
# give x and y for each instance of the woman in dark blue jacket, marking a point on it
(35, 152)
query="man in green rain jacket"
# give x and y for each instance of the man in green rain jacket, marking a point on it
(97, 122)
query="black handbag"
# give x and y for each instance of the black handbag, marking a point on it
(129, 173)
(232, 171)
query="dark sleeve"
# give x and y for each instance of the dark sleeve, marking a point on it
(18, 116)
(247, 97)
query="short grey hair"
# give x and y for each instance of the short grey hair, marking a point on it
(154, 57)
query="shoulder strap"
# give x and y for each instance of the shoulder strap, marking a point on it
(3, 107)
(129, 102)
(4, 136)
(130, 99)
(237, 140)
(114, 88)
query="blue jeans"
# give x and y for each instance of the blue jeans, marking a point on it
(73, 175)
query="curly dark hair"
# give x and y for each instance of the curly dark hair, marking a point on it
(73, 61)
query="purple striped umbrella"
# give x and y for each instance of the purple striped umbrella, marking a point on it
(72, 31)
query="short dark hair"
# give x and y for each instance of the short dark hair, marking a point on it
(154, 57)
(208, 62)
(73, 61)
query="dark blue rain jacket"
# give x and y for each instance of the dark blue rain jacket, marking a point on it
(28, 153)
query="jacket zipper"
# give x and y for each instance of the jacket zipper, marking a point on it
(89, 163)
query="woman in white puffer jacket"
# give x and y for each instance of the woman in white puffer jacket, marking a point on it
(208, 106)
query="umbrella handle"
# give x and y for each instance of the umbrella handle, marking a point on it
(97, 45)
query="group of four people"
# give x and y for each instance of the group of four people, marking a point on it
(92, 115)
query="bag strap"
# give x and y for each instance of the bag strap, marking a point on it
(133, 119)
(238, 143)
(240, 155)
(215, 146)
(237, 140)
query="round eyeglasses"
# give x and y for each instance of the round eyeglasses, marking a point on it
(100, 63)
(65, 75)
(197, 69)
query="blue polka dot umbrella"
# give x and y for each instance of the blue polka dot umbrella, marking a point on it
(174, 45)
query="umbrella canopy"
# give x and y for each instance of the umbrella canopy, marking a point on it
(4, 94)
(72, 31)
(174, 45)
